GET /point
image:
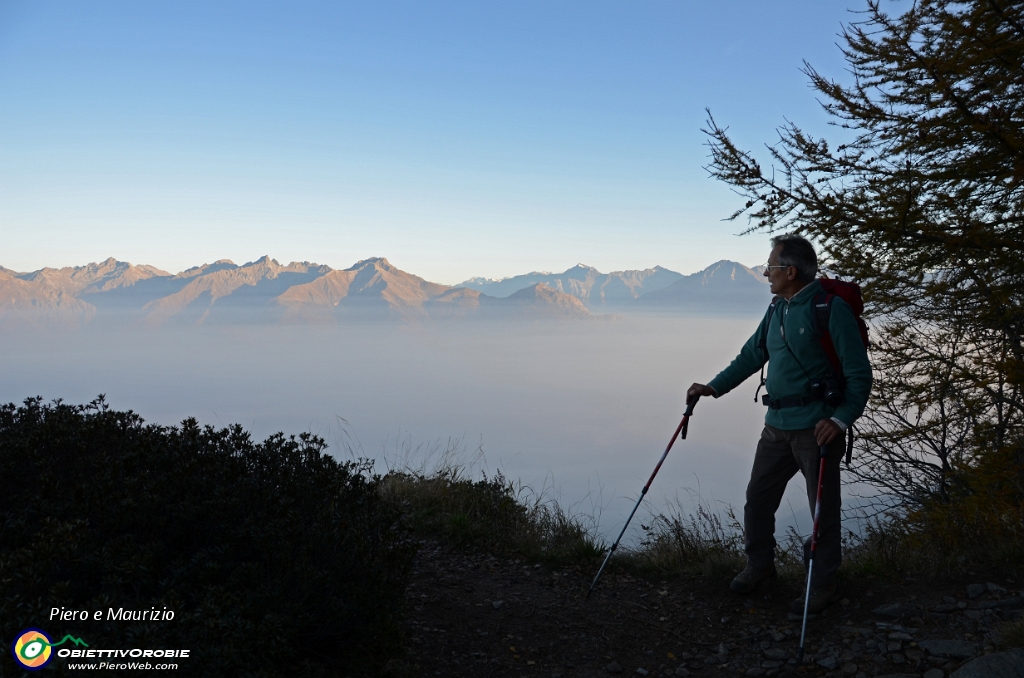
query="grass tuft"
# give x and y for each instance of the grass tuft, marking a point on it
(493, 513)
(700, 544)
(1010, 635)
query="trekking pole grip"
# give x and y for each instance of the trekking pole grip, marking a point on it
(690, 404)
(685, 424)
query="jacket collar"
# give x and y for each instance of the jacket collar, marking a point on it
(807, 293)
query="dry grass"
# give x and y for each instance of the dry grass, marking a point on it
(438, 497)
(433, 486)
(492, 513)
(700, 543)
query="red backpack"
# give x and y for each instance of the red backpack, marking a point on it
(848, 292)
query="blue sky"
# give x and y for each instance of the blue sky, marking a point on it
(456, 139)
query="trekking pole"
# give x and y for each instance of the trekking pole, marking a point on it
(814, 547)
(679, 433)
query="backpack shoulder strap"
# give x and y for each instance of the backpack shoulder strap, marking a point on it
(762, 343)
(822, 312)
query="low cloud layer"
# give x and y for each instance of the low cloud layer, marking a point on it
(581, 409)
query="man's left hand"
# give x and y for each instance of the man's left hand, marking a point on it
(826, 431)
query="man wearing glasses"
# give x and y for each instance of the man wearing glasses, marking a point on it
(797, 422)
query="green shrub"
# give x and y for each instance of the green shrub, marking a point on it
(980, 523)
(977, 523)
(276, 559)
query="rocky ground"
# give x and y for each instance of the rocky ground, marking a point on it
(478, 615)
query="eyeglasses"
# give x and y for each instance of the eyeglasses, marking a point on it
(769, 266)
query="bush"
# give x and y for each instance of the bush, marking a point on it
(980, 523)
(977, 523)
(276, 559)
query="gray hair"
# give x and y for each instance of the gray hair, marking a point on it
(799, 252)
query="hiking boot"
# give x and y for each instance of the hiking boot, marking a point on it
(747, 580)
(820, 598)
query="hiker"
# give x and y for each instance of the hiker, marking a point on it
(798, 420)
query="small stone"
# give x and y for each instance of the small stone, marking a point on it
(900, 635)
(933, 673)
(828, 663)
(975, 590)
(1003, 604)
(613, 667)
(994, 588)
(894, 610)
(754, 672)
(771, 664)
(778, 637)
(957, 649)
(682, 672)
(776, 653)
(641, 672)
(497, 604)
(897, 658)
(849, 668)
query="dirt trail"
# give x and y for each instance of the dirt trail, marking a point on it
(478, 615)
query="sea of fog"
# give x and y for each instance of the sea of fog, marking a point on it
(579, 412)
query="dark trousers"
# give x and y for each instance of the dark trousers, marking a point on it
(780, 454)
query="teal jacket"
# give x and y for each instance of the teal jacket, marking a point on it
(790, 371)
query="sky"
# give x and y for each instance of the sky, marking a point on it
(457, 139)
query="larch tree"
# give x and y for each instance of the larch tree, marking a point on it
(922, 203)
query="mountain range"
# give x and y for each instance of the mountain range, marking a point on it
(590, 286)
(265, 291)
(724, 286)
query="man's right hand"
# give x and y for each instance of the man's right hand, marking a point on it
(698, 390)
